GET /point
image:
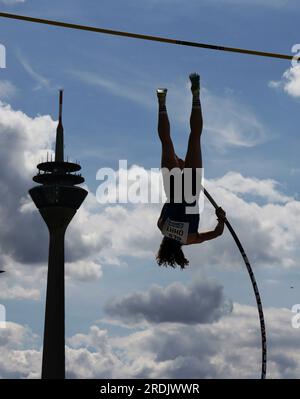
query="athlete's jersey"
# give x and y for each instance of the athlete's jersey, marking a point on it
(176, 223)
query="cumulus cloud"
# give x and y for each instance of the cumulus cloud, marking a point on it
(94, 354)
(290, 82)
(227, 348)
(20, 355)
(18, 292)
(201, 302)
(83, 270)
(23, 141)
(268, 232)
(266, 189)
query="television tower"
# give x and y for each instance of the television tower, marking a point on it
(57, 199)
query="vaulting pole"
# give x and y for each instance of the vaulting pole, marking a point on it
(254, 285)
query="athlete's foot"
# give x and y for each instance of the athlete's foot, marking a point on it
(195, 83)
(161, 95)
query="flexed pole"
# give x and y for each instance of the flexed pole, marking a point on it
(254, 285)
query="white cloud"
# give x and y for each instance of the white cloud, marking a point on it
(268, 232)
(18, 360)
(290, 82)
(238, 184)
(228, 348)
(21, 146)
(92, 355)
(84, 270)
(18, 292)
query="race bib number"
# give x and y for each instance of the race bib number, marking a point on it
(176, 230)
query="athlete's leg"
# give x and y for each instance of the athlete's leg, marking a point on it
(193, 159)
(169, 159)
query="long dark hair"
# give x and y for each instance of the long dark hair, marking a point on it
(171, 254)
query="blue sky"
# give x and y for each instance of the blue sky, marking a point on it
(250, 145)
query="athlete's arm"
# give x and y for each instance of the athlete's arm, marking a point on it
(210, 235)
